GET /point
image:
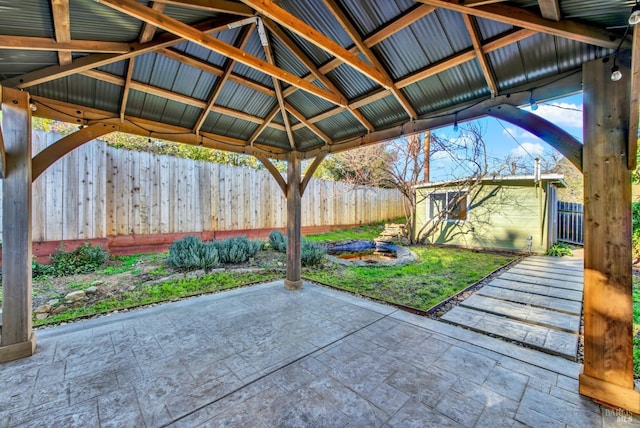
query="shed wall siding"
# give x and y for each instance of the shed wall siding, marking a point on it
(499, 217)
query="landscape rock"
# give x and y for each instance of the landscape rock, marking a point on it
(42, 316)
(59, 309)
(53, 302)
(44, 309)
(74, 296)
(91, 290)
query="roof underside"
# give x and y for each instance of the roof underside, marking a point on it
(327, 75)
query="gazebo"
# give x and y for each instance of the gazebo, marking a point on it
(295, 80)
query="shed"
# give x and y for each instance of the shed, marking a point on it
(516, 213)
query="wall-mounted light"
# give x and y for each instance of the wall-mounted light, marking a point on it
(634, 18)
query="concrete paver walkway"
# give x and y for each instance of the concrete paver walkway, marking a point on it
(537, 303)
(263, 356)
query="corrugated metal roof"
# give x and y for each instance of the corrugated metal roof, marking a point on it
(305, 139)
(435, 38)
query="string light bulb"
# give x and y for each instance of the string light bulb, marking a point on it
(456, 128)
(616, 74)
(32, 105)
(533, 104)
(634, 18)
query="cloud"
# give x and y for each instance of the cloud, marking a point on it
(526, 149)
(564, 115)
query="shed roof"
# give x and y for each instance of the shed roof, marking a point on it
(314, 76)
(556, 179)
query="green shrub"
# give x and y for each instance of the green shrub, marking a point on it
(191, 253)
(84, 259)
(40, 270)
(559, 249)
(237, 250)
(635, 235)
(278, 241)
(312, 253)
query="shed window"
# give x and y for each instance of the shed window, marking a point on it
(456, 202)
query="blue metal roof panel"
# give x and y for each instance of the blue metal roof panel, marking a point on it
(26, 18)
(340, 126)
(384, 113)
(308, 105)
(319, 17)
(368, 16)
(15, 62)
(116, 68)
(454, 28)
(81, 90)
(242, 98)
(188, 15)
(286, 60)
(508, 66)
(392, 52)
(273, 137)
(91, 20)
(305, 139)
(351, 82)
(489, 29)
(228, 126)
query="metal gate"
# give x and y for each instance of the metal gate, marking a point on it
(570, 222)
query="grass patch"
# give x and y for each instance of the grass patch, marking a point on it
(439, 273)
(636, 325)
(364, 232)
(162, 292)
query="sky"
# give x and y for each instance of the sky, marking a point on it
(504, 139)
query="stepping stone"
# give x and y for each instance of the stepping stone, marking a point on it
(542, 290)
(537, 273)
(572, 265)
(561, 305)
(557, 283)
(577, 274)
(544, 339)
(525, 313)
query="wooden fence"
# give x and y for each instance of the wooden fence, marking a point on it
(99, 191)
(570, 222)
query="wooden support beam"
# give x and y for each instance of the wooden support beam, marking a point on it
(148, 30)
(62, 26)
(293, 280)
(18, 340)
(308, 174)
(126, 88)
(89, 62)
(634, 111)
(187, 32)
(608, 315)
(520, 17)
(267, 120)
(45, 44)
(550, 9)
(274, 172)
(303, 120)
(399, 23)
(315, 37)
(220, 6)
(556, 137)
(228, 68)
(472, 29)
(57, 150)
(352, 31)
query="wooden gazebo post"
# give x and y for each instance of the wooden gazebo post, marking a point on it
(293, 279)
(608, 364)
(18, 340)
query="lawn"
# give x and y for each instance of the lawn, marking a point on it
(636, 325)
(438, 274)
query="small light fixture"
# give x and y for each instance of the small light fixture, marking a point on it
(456, 128)
(634, 18)
(616, 74)
(32, 105)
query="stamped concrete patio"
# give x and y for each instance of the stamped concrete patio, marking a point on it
(263, 356)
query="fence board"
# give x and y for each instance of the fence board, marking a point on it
(98, 191)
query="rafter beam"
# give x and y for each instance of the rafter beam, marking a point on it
(276, 85)
(244, 38)
(315, 73)
(469, 22)
(187, 32)
(45, 44)
(520, 17)
(293, 24)
(62, 27)
(550, 9)
(125, 89)
(267, 120)
(220, 6)
(308, 124)
(148, 30)
(89, 62)
(397, 24)
(351, 30)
